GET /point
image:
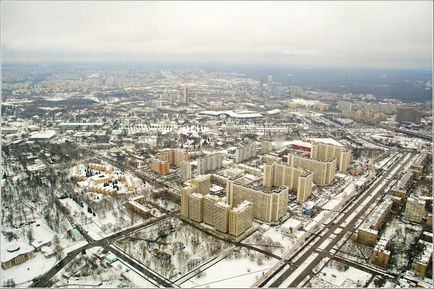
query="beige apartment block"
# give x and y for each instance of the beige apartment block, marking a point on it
(185, 194)
(240, 218)
(185, 170)
(324, 152)
(268, 205)
(323, 171)
(414, 209)
(202, 184)
(221, 211)
(296, 179)
(209, 216)
(195, 207)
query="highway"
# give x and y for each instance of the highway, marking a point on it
(343, 221)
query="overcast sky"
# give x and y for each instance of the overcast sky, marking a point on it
(364, 33)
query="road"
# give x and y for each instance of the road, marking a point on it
(44, 279)
(290, 264)
(159, 279)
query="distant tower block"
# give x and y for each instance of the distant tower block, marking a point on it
(185, 96)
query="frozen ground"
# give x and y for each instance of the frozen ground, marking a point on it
(98, 269)
(23, 273)
(237, 271)
(39, 264)
(336, 274)
(272, 240)
(172, 248)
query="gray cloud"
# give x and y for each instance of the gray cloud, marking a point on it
(381, 34)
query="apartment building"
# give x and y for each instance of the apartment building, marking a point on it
(296, 179)
(325, 151)
(269, 205)
(195, 207)
(173, 156)
(401, 187)
(136, 204)
(202, 184)
(367, 234)
(419, 164)
(414, 209)
(209, 216)
(221, 214)
(266, 147)
(185, 170)
(323, 171)
(240, 218)
(100, 167)
(244, 153)
(209, 163)
(185, 194)
(381, 255)
(160, 167)
(425, 260)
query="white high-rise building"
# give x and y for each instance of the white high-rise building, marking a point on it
(185, 171)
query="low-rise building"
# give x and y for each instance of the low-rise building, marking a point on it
(136, 204)
(15, 254)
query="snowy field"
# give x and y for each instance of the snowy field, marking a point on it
(99, 269)
(336, 274)
(272, 240)
(105, 220)
(172, 248)
(23, 273)
(242, 269)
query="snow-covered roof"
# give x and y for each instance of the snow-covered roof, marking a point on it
(14, 249)
(43, 134)
(233, 114)
(327, 141)
(273, 111)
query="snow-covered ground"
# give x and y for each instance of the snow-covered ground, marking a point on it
(233, 272)
(39, 264)
(347, 277)
(272, 239)
(23, 273)
(172, 248)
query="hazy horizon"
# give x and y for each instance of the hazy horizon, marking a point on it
(383, 35)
